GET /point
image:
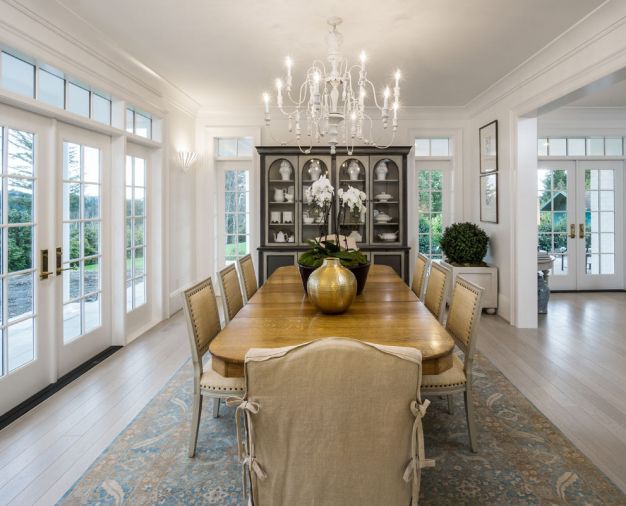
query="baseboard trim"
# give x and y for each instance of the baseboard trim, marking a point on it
(613, 290)
(24, 407)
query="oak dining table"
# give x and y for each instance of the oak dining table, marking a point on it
(280, 314)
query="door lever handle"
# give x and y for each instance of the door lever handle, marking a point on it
(581, 231)
(572, 231)
(45, 273)
(60, 268)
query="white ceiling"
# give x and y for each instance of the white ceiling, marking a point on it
(224, 53)
(613, 96)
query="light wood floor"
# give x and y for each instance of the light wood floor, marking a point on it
(572, 369)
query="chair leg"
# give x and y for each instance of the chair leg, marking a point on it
(471, 426)
(450, 404)
(216, 407)
(195, 423)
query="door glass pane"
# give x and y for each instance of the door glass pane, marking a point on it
(600, 221)
(17, 296)
(81, 241)
(21, 343)
(552, 202)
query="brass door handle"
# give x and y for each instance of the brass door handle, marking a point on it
(60, 271)
(44, 265)
(581, 231)
(572, 231)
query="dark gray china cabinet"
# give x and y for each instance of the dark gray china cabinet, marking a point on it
(288, 221)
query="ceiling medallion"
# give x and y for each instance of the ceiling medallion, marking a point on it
(330, 104)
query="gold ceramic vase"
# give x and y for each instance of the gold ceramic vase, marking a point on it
(331, 287)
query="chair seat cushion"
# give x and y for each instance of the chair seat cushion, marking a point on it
(212, 381)
(455, 376)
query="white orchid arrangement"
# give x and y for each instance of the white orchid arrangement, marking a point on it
(354, 199)
(320, 192)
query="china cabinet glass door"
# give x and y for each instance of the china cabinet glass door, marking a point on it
(310, 218)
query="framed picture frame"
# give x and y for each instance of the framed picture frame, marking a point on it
(489, 198)
(488, 138)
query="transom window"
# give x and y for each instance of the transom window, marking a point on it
(240, 147)
(135, 232)
(432, 146)
(19, 76)
(580, 146)
(138, 123)
(17, 221)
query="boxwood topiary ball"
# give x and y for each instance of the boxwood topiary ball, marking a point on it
(464, 243)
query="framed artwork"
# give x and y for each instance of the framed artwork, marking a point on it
(488, 135)
(489, 198)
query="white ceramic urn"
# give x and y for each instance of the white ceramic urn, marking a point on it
(381, 170)
(285, 170)
(354, 170)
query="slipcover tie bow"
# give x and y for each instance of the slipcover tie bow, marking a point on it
(418, 460)
(244, 409)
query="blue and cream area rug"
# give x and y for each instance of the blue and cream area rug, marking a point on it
(523, 458)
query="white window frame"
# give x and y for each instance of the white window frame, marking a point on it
(445, 167)
(208, 259)
(146, 234)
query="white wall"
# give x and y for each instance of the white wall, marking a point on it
(592, 49)
(49, 35)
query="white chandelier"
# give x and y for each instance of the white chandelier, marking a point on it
(330, 103)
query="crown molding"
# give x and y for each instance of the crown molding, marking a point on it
(512, 82)
(175, 96)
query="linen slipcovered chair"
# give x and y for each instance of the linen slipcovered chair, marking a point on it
(248, 277)
(420, 275)
(345, 242)
(462, 325)
(230, 288)
(203, 324)
(436, 290)
(332, 421)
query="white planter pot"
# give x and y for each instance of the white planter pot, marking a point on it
(485, 277)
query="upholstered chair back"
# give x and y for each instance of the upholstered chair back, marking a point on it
(464, 316)
(419, 275)
(436, 289)
(248, 276)
(231, 291)
(334, 421)
(203, 320)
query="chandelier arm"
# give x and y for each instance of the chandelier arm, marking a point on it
(393, 134)
(367, 81)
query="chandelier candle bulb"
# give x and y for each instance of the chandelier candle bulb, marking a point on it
(330, 96)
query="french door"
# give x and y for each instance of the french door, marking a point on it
(580, 212)
(81, 254)
(26, 301)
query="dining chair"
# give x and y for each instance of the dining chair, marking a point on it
(420, 275)
(436, 290)
(320, 431)
(230, 288)
(248, 277)
(462, 325)
(203, 324)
